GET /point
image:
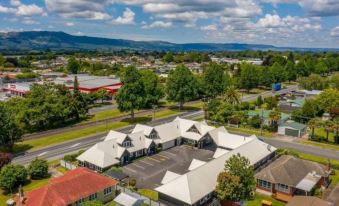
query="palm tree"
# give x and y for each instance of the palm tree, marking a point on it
(313, 123)
(232, 96)
(274, 116)
(328, 126)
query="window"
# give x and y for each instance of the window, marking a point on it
(153, 135)
(264, 184)
(93, 196)
(107, 190)
(80, 201)
(126, 144)
(282, 188)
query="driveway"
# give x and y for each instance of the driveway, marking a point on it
(149, 171)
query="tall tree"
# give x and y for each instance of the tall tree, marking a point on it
(130, 96)
(248, 77)
(73, 66)
(9, 130)
(181, 86)
(214, 80)
(232, 96)
(291, 72)
(237, 181)
(154, 90)
(79, 103)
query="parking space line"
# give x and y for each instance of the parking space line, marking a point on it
(130, 169)
(135, 164)
(143, 161)
(158, 161)
(169, 153)
(163, 156)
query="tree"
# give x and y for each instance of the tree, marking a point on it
(93, 203)
(291, 72)
(214, 80)
(313, 82)
(237, 181)
(181, 85)
(5, 158)
(9, 130)
(260, 101)
(328, 99)
(277, 73)
(73, 66)
(11, 176)
(154, 90)
(168, 57)
(271, 102)
(232, 96)
(313, 123)
(328, 126)
(38, 169)
(131, 95)
(248, 77)
(78, 102)
(2, 60)
(274, 117)
(102, 94)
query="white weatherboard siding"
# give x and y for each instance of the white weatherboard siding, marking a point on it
(198, 183)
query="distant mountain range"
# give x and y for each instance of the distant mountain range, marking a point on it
(60, 41)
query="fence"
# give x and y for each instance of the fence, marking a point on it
(147, 200)
(67, 165)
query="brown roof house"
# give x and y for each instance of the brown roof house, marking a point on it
(308, 201)
(288, 176)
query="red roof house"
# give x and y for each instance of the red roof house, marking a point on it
(75, 185)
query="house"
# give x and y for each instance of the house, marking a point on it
(128, 199)
(119, 148)
(292, 128)
(265, 114)
(196, 187)
(291, 105)
(307, 201)
(288, 176)
(71, 189)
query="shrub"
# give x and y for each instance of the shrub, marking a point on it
(38, 169)
(11, 176)
(5, 158)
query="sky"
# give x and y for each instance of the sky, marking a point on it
(295, 23)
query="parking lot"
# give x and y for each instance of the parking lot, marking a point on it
(149, 171)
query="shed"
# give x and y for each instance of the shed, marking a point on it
(128, 199)
(292, 128)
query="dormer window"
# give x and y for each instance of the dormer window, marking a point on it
(126, 144)
(153, 135)
(193, 129)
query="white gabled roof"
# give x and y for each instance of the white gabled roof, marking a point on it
(144, 128)
(120, 137)
(98, 157)
(169, 176)
(219, 152)
(195, 164)
(199, 182)
(231, 141)
(127, 199)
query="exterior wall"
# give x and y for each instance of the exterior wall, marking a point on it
(281, 130)
(101, 197)
(168, 145)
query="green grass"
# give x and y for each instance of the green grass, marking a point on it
(105, 115)
(322, 145)
(314, 158)
(250, 131)
(31, 185)
(260, 197)
(320, 132)
(149, 193)
(335, 178)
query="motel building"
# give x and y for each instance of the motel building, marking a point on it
(17, 89)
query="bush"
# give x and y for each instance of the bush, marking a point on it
(93, 203)
(38, 169)
(11, 176)
(132, 183)
(73, 157)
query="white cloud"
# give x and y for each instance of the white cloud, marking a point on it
(29, 21)
(6, 9)
(126, 18)
(335, 32)
(69, 24)
(211, 27)
(87, 9)
(29, 10)
(270, 21)
(158, 24)
(15, 2)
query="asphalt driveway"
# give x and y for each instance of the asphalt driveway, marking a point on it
(149, 171)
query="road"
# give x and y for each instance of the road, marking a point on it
(60, 150)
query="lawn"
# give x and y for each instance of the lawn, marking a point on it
(33, 184)
(246, 130)
(106, 115)
(320, 132)
(149, 193)
(260, 197)
(314, 158)
(322, 145)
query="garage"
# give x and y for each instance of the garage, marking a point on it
(292, 128)
(169, 144)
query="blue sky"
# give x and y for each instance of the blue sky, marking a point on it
(298, 23)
